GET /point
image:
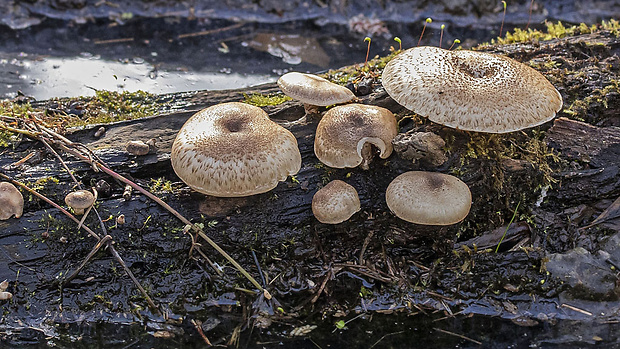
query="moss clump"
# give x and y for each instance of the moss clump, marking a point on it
(109, 106)
(554, 31)
(161, 185)
(260, 100)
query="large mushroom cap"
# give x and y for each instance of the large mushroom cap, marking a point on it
(472, 91)
(344, 130)
(429, 198)
(234, 149)
(335, 203)
(80, 200)
(11, 201)
(313, 90)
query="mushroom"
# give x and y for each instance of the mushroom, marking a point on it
(137, 148)
(79, 201)
(345, 134)
(429, 198)
(335, 203)
(232, 150)
(470, 90)
(11, 201)
(313, 90)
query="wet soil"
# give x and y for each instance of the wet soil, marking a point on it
(391, 282)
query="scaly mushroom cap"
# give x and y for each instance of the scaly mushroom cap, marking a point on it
(80, 200)
(234, 149)
(313, 90)
(343, 131)
(11, 201)
(429, 198)
(472, 91)
(335, 203)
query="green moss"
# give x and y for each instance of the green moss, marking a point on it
(579, 107)
(261, 100)
(109, 106)
(161, 185)
(553, 31)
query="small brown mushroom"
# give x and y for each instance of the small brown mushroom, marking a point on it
(429, 198)
(11, 201)
(79, 201)
(345, 134)
(313, 90)
(137, 148)
(335, 203)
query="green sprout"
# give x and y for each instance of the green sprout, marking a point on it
(428, 20)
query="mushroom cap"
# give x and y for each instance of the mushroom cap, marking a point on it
(335, 203)
(11, 201)
(234, 149)
(313, 90)
(80, 199)
(343, 131)
(470, 90)
(429, 198)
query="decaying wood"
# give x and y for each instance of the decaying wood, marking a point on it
(298, 255)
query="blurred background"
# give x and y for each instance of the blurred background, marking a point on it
(61, 48)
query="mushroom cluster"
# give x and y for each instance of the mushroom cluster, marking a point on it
(470, 90)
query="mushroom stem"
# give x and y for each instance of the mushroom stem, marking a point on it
(367, 155)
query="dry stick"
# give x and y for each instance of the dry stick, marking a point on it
(171, 210)
(457, 335)
(530, 17)
(88, 230)
(503, 18)
(105, 241)
(428, 20)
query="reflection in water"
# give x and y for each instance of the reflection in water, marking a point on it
(293, 49)
(47, 77)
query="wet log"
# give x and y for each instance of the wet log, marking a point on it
(560, 176)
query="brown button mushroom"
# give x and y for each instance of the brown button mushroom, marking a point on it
(429, 198)
(470, 90)
(345, 134)
(313, 90)
(335, 203)
(232, 150)
(11, 201)
(137, 148)
(79, 200)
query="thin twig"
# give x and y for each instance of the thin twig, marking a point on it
(458, 335)
(104, 241)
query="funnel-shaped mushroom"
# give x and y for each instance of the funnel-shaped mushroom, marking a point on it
(470, 90)
(234, 149)
(429, 198)
(80, 200)
(11, 201)
(345, 133)
(313, 90)
(335, 203)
